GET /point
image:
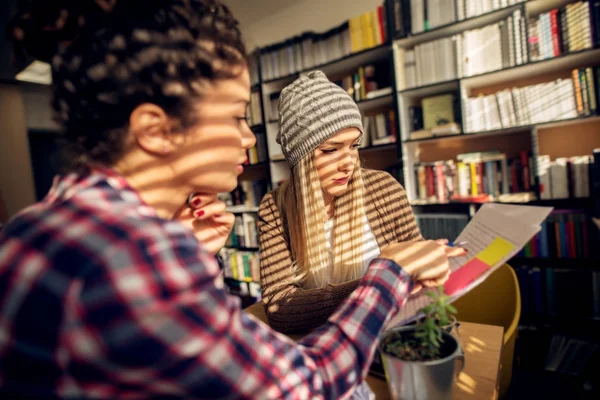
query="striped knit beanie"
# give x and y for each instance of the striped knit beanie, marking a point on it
(311, 110)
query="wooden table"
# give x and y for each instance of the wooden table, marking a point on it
(479, 379)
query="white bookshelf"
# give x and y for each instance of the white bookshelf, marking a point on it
(469, 86)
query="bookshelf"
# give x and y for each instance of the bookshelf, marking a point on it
(556, 136)
(560, 126)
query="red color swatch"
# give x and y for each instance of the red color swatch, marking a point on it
(465, 275)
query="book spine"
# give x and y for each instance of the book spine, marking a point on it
(554, 26)
(578, 96)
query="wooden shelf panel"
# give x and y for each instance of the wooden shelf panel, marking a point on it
(511, 144)
(527, 74)
(431, 89)
(557, 125)
(569, 140)
(354, 61)
(375, 103)
(379, 157)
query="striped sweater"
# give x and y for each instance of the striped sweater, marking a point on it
(290, 308)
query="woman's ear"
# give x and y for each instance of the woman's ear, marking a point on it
(150, 127)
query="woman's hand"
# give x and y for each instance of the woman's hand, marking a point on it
(207, 217)
(425, 262)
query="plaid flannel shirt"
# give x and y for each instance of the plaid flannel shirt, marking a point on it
(99, 297)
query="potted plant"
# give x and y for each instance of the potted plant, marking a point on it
(420, 360)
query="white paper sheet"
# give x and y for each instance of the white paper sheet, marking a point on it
(514, 224)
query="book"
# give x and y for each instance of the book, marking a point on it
(438, 110)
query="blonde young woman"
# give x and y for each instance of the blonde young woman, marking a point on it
(322, 227)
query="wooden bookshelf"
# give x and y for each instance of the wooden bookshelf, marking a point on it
(559, 138)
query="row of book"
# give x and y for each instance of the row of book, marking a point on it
(566, 177)
(254, 111)
(492, 47)
(379, 129)
(240, 265)
(564, 234)
(543, 102)
(415, 16)
(247, 193)
(573, 27)
(558, 292)
(310, 49)
(368, 82)
(440, 225)
(244, 233)
(478, 177)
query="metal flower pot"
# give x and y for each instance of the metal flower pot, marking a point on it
(422, 380)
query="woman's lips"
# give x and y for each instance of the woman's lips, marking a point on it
(342, 181)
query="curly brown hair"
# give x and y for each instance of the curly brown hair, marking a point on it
(109, 56)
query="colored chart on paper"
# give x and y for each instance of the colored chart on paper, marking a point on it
(478, 265)
(494, 234)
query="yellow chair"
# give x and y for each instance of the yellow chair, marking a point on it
(496, 301)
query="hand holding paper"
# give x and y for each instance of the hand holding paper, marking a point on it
(495, 234)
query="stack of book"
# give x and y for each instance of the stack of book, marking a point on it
(379, 129)
(415, 16)
(310, 49)
(565, 234)
(573, 27)
(472, 52)
(544, 102)
(564, 177)
(474, 177)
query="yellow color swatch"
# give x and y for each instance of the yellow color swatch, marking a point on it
(496, 251)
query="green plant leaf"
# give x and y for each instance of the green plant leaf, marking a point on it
(451, 308)
(428, 309)
(433, 295)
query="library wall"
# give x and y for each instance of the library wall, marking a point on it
(16, 179)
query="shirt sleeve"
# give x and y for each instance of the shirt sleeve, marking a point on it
(158, 322)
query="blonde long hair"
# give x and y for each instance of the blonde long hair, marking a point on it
(300, 201)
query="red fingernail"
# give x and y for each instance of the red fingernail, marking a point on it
(198, 213)
(196, 202)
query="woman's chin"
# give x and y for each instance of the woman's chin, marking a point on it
(337, 192)
(222, 184)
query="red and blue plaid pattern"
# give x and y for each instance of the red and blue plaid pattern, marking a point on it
(99, 297)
